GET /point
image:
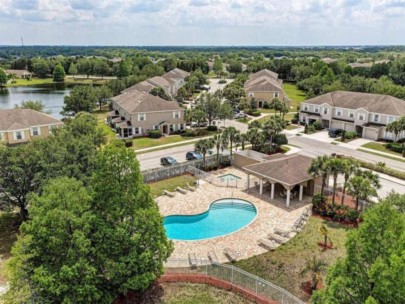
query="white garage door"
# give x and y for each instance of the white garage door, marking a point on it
(349, 127)
(336, 124)
(371, 134)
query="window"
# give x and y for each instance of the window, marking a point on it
(137, 130)
(316, 109)
(339, 112)
(35, 131)
(376, 118)
(305, 107)
(325, 111)
(52, 129)
(360, 116)
(251, 95)
(351, 114)
(156, 127)
(171, 128)
(276, 94)
(142, 117)
(391, 119)
(176, 114)
(181, 127)
(18, 135)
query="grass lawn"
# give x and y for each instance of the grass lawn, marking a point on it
(287, 116)
(244, 120)
(380, 147)
(284, 149)
(39, 81)
(296, 95)
(283, 265)
(101, 116)
(9, 223)
(382, 155)
(185, 293)
(170, 184)
(291, 127)
(147, 142)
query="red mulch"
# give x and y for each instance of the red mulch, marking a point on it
(346, 223)
(349, 200)
(306, 287)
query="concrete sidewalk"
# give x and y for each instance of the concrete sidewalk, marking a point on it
(179, 143)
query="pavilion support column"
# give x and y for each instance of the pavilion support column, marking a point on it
(288, 198)
(301, 192)
(248, 182)
(261, 186)
(272, 190)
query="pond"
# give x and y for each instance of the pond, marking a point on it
(51, 95)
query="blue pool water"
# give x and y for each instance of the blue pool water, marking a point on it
(223, 217)
(228, 177)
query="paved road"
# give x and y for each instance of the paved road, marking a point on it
(313, 148)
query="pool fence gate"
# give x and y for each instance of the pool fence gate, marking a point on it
(233, 275)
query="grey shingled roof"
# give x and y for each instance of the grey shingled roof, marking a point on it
(262, 84)
(143, 86)
(142, 102)
(264, 72)
(289, 170)
(17, 119)
(375, 103)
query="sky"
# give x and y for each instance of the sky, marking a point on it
(202, 22)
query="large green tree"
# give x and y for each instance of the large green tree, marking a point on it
(58, 73)
(3, 77)
(211, 105)
(82, 98)
(373, 270)
(36, 105)
(90, 245)
(40, 67)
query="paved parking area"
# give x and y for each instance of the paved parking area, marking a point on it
(214, 85)
(320, 136)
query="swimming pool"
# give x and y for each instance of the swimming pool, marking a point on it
(228, 177)
(223, 217)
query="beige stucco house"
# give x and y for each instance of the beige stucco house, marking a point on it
(135, 113)
(367, 114)
(23, 74)
(264, 86)
(170, 82)
(22, 125)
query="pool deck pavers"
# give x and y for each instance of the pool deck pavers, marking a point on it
(270, 214)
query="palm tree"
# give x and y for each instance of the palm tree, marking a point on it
(361, 188)
(335, 166)
(349, 167)
(373, 178)
(199, 116)
(325, 232)
(244, 138)
(396, 127)
(284, 110)
(188, 116)
(219, 144)
(203, 146)
(315, 267)
(318, 168)
(231, 133)
(271, 128)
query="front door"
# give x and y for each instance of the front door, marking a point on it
(165, 129)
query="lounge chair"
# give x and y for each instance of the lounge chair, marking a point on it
(212, 257)
(282, 232)
(181, 190)
(168, 193)
(282, 194)
(189, 187)
(230, 254)
(192, 259)
(267, 243)
(278, 238)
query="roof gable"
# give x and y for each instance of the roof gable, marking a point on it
(17, 119)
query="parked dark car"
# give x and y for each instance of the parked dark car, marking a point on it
(168, 161)
(193, 155)
(335, 132)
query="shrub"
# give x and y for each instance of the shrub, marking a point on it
(317, 200)
(254, 113)
(294, 120)
(350, 135)
(280, 139)
(317, 125)
(222, 81)
(266, 105)
(190, 133)
(309, 129)
(155, 133)
(212, 128)
(395, 147)
(128, 143)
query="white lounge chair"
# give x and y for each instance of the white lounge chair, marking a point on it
(267, 243)
(282, 232)
(192, 259)
(278, 238)
(189, 187)
(212, 257)
(168, 193)
(230, 254)
(181, 190)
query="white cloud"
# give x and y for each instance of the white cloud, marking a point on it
(260, 21)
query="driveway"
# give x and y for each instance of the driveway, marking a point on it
(214, 85)
(320, 136)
